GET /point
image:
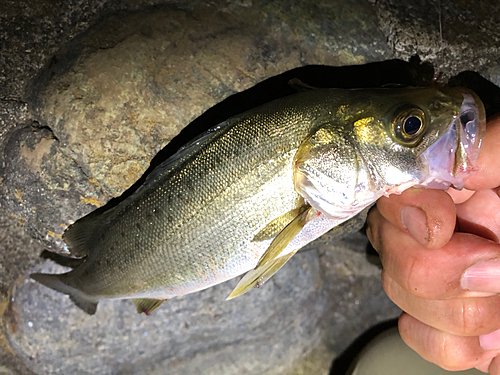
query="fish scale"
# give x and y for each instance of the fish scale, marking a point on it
(219, 179)
(322, 154)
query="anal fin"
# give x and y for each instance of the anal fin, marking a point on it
(89, 307)
(147, 305)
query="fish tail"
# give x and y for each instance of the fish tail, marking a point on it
(56, 283)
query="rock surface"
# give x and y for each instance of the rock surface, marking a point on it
(198, 333)
(92, 90)
(138, 78)
(453, 35)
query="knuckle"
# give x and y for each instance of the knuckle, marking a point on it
(494, 368)
(391, 288)
(470, 317)
(417, 279)
(413, 279)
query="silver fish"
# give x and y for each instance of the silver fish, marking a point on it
(248, 194)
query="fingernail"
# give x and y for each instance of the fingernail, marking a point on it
(482, 277)
(415, 221)
(490, 341)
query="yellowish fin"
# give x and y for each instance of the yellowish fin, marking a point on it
(271, 261)
(285, 236)
(147, 305)
(273, 228)
(258, 276)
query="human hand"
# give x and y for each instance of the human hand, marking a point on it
(441, 257)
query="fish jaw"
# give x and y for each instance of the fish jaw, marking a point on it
(454, 156)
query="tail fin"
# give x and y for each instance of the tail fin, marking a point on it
(55, 282)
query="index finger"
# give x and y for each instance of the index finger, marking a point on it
(488, 173)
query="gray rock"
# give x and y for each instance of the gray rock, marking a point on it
(17, 257)
(453, 35)
(119, 93)
(265, 331)
(198, 333)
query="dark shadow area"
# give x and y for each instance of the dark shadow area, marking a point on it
(370, 253)
(378, 74)
(387, 73)
(372, 256)
(341, 364)
(391, 73)
(487, 91)
(467, 226)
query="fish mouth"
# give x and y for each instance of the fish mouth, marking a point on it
(454, 156)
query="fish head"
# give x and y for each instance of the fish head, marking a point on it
(436, 136)
(384, 141)
(453, 155)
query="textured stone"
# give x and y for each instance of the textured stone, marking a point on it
(108, 102)
(198, 333)
(453, 35)
(265, 331)
(119, 93)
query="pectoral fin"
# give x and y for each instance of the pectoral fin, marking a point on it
(147, 305)
(271, 261)
(285, 236)
(258, 276)
(273, 228)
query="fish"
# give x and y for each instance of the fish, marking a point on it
(249, 193)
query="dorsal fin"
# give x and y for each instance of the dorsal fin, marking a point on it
(184, 151)
(300, 86)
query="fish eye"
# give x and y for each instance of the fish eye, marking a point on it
(408, 125)
(412, 125)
